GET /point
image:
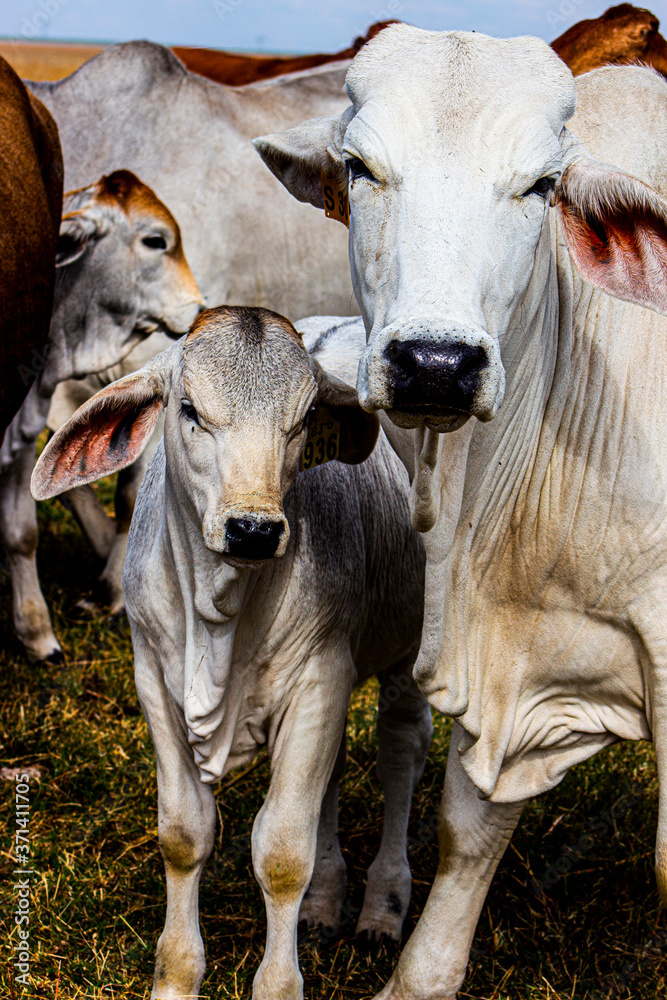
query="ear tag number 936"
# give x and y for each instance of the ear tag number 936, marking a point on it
(323, 441)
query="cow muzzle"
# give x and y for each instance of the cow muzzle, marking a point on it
(247, 538)
(440, 378)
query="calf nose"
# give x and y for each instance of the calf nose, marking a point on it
(246, 538)
(434, 377)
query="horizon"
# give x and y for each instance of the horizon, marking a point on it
(291, 26)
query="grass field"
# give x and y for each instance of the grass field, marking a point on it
(594, 932)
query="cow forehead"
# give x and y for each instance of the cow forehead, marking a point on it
(242, 360)
(447, 79)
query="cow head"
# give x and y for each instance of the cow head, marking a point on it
(241, 393)
(458, 162)
(122, 274)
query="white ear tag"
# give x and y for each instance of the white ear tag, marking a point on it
(323, 441)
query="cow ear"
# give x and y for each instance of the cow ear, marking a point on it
(106, 434)
(302, 157)
(616, 230)
(86, 218)
(358, 430)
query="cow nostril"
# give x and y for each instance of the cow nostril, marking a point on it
(431, 376)
(393, 350)
(246, 538)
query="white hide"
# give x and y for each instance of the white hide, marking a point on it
(544, 629)
(231, 657)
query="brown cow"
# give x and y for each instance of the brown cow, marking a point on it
(49, 61)
(31, 182)
(622, 35)
(236, 70)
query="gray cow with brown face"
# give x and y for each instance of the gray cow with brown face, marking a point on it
(121, 275)
(258, 598)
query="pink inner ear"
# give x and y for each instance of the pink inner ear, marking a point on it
(620, 249)
(112, 437)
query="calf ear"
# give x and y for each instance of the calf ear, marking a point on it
(616, 230)
(106, 434)
(302, 157)
(358, 430)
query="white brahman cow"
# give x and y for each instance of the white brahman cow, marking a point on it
(258, 598)
(490, 252)
(121, 274)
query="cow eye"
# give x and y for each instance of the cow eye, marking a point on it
(544, 187)
(155, 242)
(189, 412)
(357, 169)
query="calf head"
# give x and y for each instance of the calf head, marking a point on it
(121, 272)
(240, 392)
(458, 165)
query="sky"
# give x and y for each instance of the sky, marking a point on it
(283, 25)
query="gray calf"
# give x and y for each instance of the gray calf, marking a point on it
(258, 598)
(121, 274)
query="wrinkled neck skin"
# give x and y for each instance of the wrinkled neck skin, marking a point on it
(471, 484)
(85, 336)
(214, 595)
(481, 471)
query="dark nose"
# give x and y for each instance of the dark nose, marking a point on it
(434, 378)
(246, 538)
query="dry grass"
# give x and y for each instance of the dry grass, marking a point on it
(99, 900)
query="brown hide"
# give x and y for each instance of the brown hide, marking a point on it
(236, 70)
(53, 61)
(622, 35)
(31, 180)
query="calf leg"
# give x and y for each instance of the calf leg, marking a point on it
(473, 836)
(323, 902)
(18, 532)
(186, 828)
(404, 734)
(284, 836)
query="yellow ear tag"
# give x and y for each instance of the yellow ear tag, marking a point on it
(323, 441)
(336, 201)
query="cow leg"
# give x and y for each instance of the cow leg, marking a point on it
(127, 487)
(18, 531)
(186, 828)
(92, 518)
(473, 836)
(284, 836)
(648, 618)
(323, 902)
(404, 735)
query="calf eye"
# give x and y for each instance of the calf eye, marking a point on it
(357, 168)
(308, 417)
(189, 412)
(544, 187)
(155, 242)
